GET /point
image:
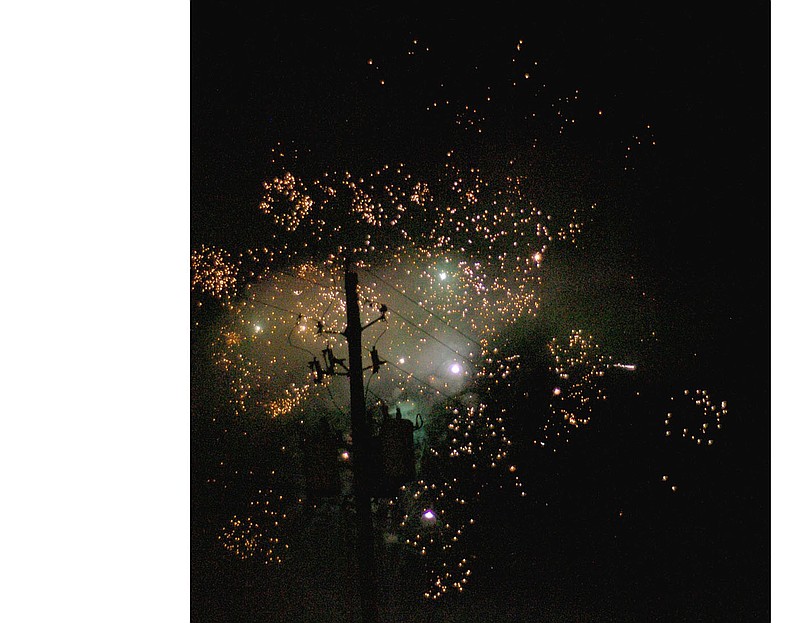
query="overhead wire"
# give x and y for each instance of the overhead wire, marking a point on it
(333, 400)
(430, 335)
(413, 324)
(306, 279)
(423, 308)
(327, 309)
(283, 309)
(289, 337)
(374, 345)
(422, 381)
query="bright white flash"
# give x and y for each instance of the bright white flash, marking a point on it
(428, 516)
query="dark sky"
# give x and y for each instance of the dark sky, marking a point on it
(94, 98)
(270, 74)
(691, 219)
(694, 220)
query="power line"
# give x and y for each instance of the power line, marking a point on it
(430, 335)
(378, 398)
(289, 311)
(419, 380)
(294, 276)
(413, 324)
(283, 309)
(289, 337)
(418, 304)
(328, 308)
(333, 400)
(333, 287)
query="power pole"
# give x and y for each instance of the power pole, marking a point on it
(365, 545)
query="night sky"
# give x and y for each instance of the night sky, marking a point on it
(578, 220)
(567, 212)
(691, 217)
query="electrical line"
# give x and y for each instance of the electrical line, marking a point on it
(433, 337)
(377, 339)
(283, 309)
(419, 380)
(378, 398)
(316, 283)
(327, 309)
(418, 304)
(289, 337)
(333, 287)
(288, 311)
(413, 324)
(369, 380)
(333, 400)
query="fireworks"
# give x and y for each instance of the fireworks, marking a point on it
(696, 418)
(449, 286)
(449, 256)
(694, 421)
(260, 535)
(579, 366)
(213, 272)
(453, 258)
(436, 521)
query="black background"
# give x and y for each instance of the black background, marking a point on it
(695, 221)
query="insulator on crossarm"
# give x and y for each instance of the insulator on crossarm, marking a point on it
(316, 368)
(376, 361)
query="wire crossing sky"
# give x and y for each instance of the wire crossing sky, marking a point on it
(540, 219)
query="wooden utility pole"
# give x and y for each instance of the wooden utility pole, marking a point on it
(365, 544)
